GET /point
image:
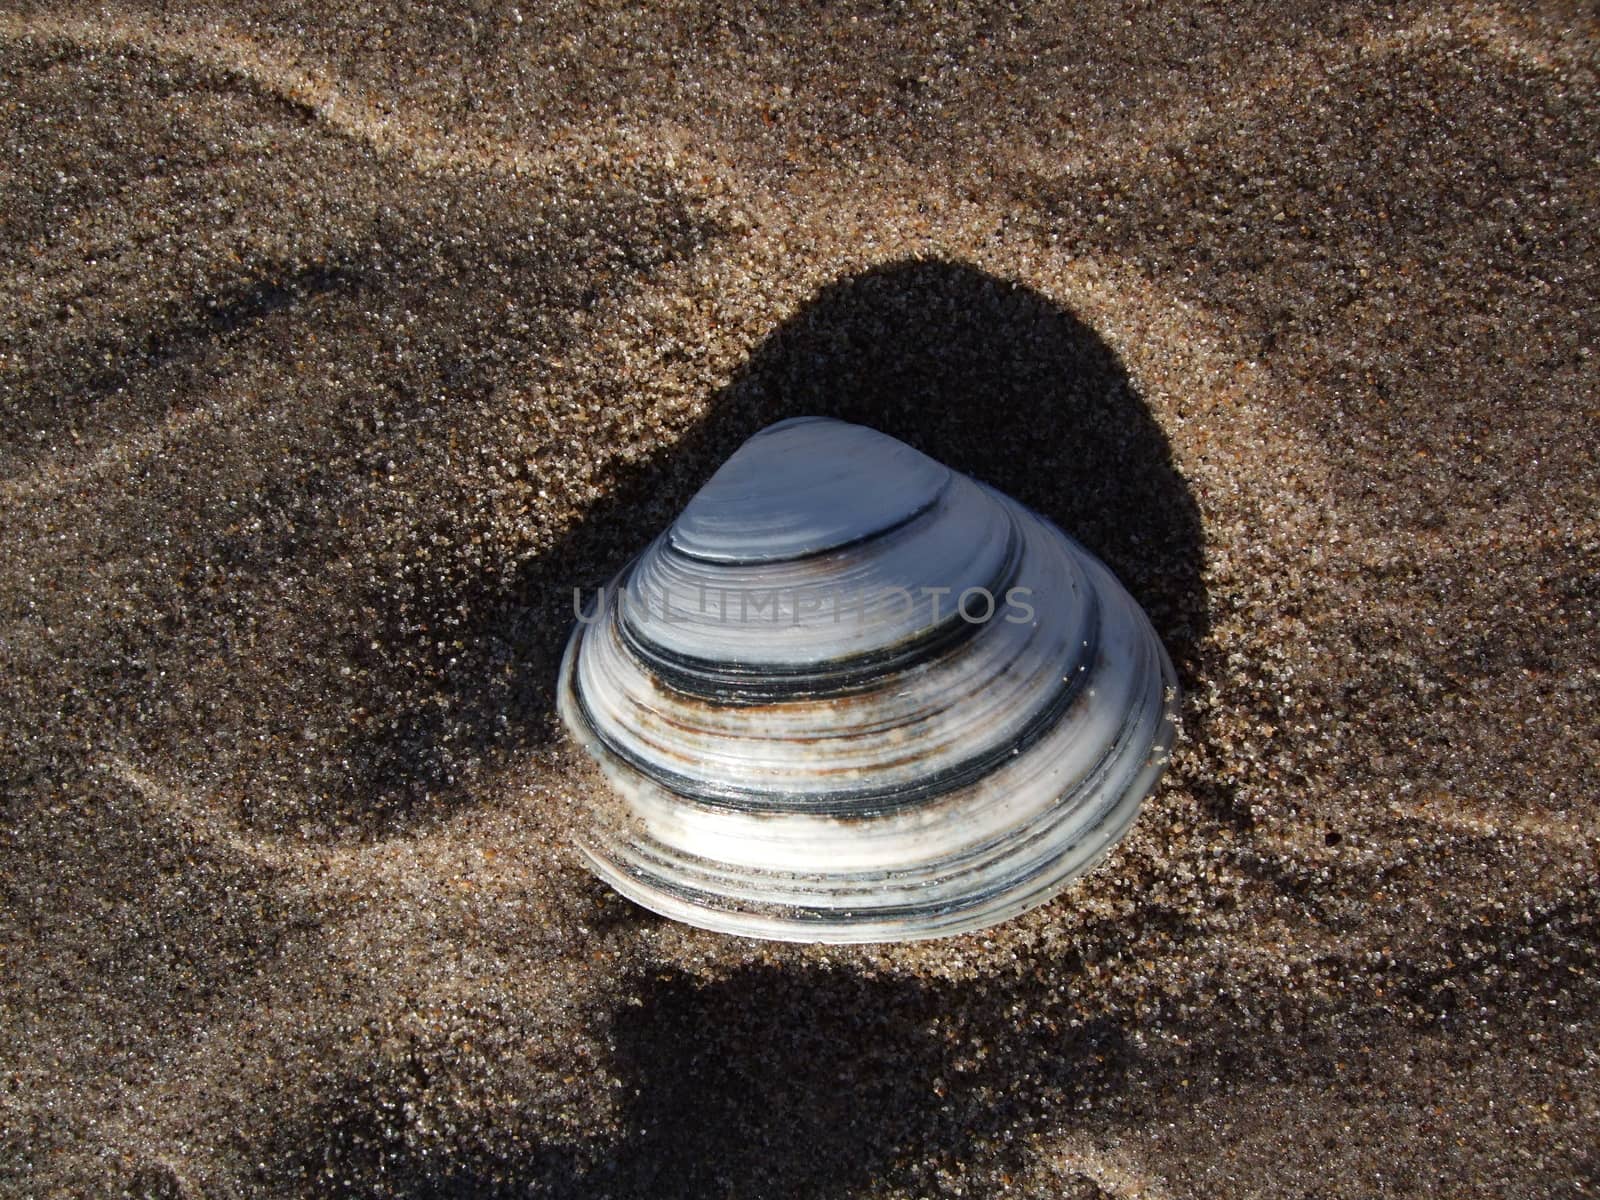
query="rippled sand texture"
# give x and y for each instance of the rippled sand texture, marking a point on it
(335, 349)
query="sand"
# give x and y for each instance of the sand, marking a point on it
(338, 346)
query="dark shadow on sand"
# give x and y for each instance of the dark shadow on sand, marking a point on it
(809, 1080)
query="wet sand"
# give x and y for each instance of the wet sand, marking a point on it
(336, 350)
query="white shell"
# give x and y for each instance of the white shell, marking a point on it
(853, 696)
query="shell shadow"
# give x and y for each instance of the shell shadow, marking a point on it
(804, 1079)
(983, 374)
(811, 1082)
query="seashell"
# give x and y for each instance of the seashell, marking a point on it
(851, 695)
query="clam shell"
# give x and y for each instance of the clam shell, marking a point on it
(854, 696)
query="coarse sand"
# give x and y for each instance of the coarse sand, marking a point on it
(340, 342)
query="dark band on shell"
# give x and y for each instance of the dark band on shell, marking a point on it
(893, 766)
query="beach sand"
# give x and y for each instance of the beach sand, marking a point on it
(338, 347)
